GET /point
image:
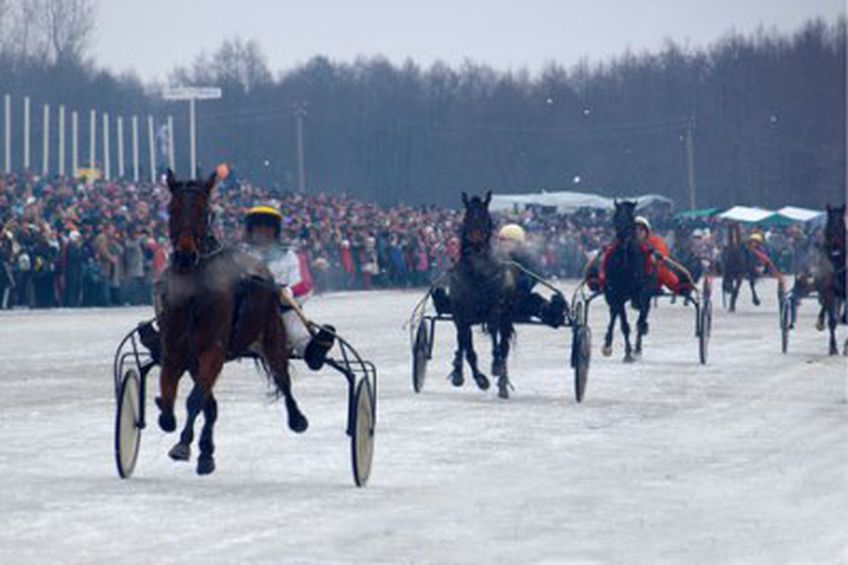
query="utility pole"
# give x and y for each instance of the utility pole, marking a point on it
(92, 140)
(690, 162)
(299, 114)
(135, 147)
(107, 169)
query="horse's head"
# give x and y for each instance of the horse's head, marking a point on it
(624, 220)
(834, 230)
(477, 224)
(188, 221)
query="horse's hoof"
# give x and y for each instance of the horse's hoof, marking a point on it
(756, 302)
(456, 378)
(820, 325)
(205, 465)
(482, 381)
(629, 358)
(167, 422)
(180, 452)
(637, 355)
(297, 422)
(607, 350)
(503, 387)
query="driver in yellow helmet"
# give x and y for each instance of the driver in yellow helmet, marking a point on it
(762, 262)
(512, 246)
(263, 226)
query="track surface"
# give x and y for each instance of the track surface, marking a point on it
(742, 461)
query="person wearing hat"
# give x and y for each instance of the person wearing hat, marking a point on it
(762, 262)
(512, 246)
(657, 251)
(263, 226)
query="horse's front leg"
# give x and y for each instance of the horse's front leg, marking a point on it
(505, 333)
(625, 329)
(456, 377)
(194, 404)
(737, 284)
(206, 463)
(471, 356)
(832, 321)
(607, 350)
(753, 282)
(642, 324)
(169, 379)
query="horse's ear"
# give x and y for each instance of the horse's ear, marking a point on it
(488, 198)
(210, 182)
(170, 179)
(465, 199)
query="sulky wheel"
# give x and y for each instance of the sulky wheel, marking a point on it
(362, 439)
(581, 353)
(785, 323)
(420, 354)
(705, 326)
(127, 429)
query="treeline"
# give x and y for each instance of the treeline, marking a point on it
(766, 112)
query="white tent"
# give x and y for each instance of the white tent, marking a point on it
(800, 214)
(746, 214)
(568, 202)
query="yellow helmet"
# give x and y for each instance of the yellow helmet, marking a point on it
(642, 221)
(756, 236)
(264, 215)
(512, 232)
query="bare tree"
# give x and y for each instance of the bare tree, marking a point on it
(67, 26)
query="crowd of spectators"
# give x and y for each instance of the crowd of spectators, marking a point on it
(67, 242)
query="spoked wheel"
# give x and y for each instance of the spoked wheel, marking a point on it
(581, 353)
(127, 428)
(362, 439)
(705, 323)
(420, 353)
(785, 323)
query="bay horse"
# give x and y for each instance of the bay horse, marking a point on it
(215, 305)
(825, 273)
(480, 293)
(737, 265)
(627, 281)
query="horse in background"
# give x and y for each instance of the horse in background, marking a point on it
(737, 265)
(480, 293)
(825, 274)
(627, 281)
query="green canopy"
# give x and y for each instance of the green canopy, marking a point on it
(777, 221)
(696, 214)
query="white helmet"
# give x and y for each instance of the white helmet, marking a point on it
(643, 221)
(512, 232)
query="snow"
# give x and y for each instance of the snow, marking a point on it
(744, 460)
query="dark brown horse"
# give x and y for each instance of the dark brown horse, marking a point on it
(736, 266)
(825, 274)
(215, 305)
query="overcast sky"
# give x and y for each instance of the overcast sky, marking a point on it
(152, 36)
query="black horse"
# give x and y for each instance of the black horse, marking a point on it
(825, 274)
(737, 265)
(480, 293)
(627, 280)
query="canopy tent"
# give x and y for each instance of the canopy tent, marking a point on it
(697, 214)
(569, 202)
(746, 214)
(802, 215)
